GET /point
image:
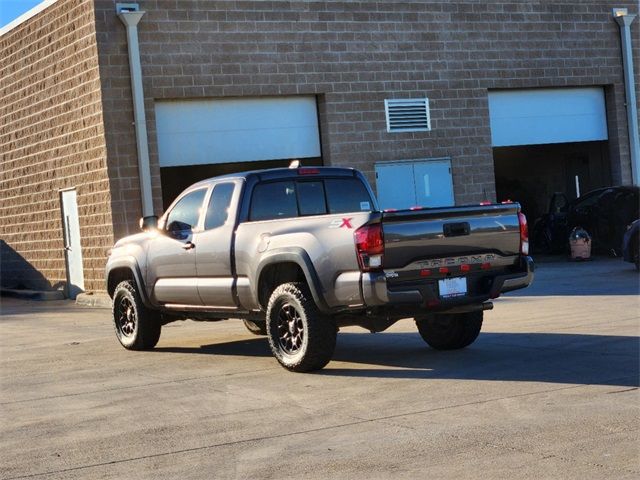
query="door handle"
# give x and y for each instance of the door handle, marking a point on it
(456, 229)
(189, 245)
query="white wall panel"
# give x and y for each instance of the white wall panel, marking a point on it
(196, 132)
(547, 115)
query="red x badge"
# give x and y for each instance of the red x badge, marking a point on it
(346, 223)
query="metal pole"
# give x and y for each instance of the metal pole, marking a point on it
(623, 19)
(130, 18)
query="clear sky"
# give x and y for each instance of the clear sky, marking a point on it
(12, 9)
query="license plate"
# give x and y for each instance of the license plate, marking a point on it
(452, 287)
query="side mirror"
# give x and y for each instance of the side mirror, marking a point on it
(179, 230)
(148, 223)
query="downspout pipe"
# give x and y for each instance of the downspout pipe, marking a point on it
(129, 14)
(624, 19)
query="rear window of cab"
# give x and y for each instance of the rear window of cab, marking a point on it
(301, 198)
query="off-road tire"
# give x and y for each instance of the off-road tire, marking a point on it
(292, 313)
(257, 328)
(450, 331)
(136, 326)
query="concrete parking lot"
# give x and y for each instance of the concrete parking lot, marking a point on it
(549, 390)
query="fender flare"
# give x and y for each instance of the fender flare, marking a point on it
(300, 257)
(131, 264)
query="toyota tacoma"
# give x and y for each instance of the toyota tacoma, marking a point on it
(298, 253)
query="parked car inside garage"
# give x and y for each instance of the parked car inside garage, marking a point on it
(604, 213)
(631, 244)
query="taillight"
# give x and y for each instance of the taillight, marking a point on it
(524, 234)
(369, 247)
(308, 171)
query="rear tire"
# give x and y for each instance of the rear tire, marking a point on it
(257, 328)
(300, 337)
(450, 331)
(136, 326)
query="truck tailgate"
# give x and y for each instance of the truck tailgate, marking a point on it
(436, 233)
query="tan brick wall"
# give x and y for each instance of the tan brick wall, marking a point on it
(119, 123)
(51, 138)
(353, 55)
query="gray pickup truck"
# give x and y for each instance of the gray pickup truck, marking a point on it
(298, 253)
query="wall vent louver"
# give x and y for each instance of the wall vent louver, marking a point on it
(408, 115)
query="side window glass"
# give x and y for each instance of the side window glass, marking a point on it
(346, 195)
(311, 198)
(273, 200)
(218, 209)
(606, 199)
(185, 214)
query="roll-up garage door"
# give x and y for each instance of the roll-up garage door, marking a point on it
(547, 115)
(213, 131)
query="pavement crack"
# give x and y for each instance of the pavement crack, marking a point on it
(622, 391)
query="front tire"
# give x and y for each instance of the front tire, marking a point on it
(136, 326)
(257, 328)
(300, 337)
(450, 331)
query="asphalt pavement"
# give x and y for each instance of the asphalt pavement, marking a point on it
(549, 390)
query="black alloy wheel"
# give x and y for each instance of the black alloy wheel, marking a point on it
(126, 317)
(290, 329)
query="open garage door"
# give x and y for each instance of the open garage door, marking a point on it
(199, 139)
(543, 139)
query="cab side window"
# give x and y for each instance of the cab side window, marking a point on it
(311, 199)
(218, 209)
(185, 214)
(346, 195)
(273, 201)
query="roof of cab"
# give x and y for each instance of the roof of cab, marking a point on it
(277, 173)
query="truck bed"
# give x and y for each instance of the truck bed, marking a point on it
(477, 246)
(417, 235)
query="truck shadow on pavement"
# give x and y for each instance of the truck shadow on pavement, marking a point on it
(517, 357)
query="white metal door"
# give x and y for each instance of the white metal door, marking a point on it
(73, 252)
(395, 183)
(404, 185)
(434, 184)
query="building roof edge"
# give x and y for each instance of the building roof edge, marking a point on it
(26, 16)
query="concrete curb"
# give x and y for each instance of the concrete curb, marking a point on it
(95, 300)
(40, 295)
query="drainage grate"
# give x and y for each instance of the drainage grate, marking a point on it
(408, 115)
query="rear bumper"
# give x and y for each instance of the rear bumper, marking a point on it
(376, 293)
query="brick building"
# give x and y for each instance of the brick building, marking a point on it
(523, 97)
